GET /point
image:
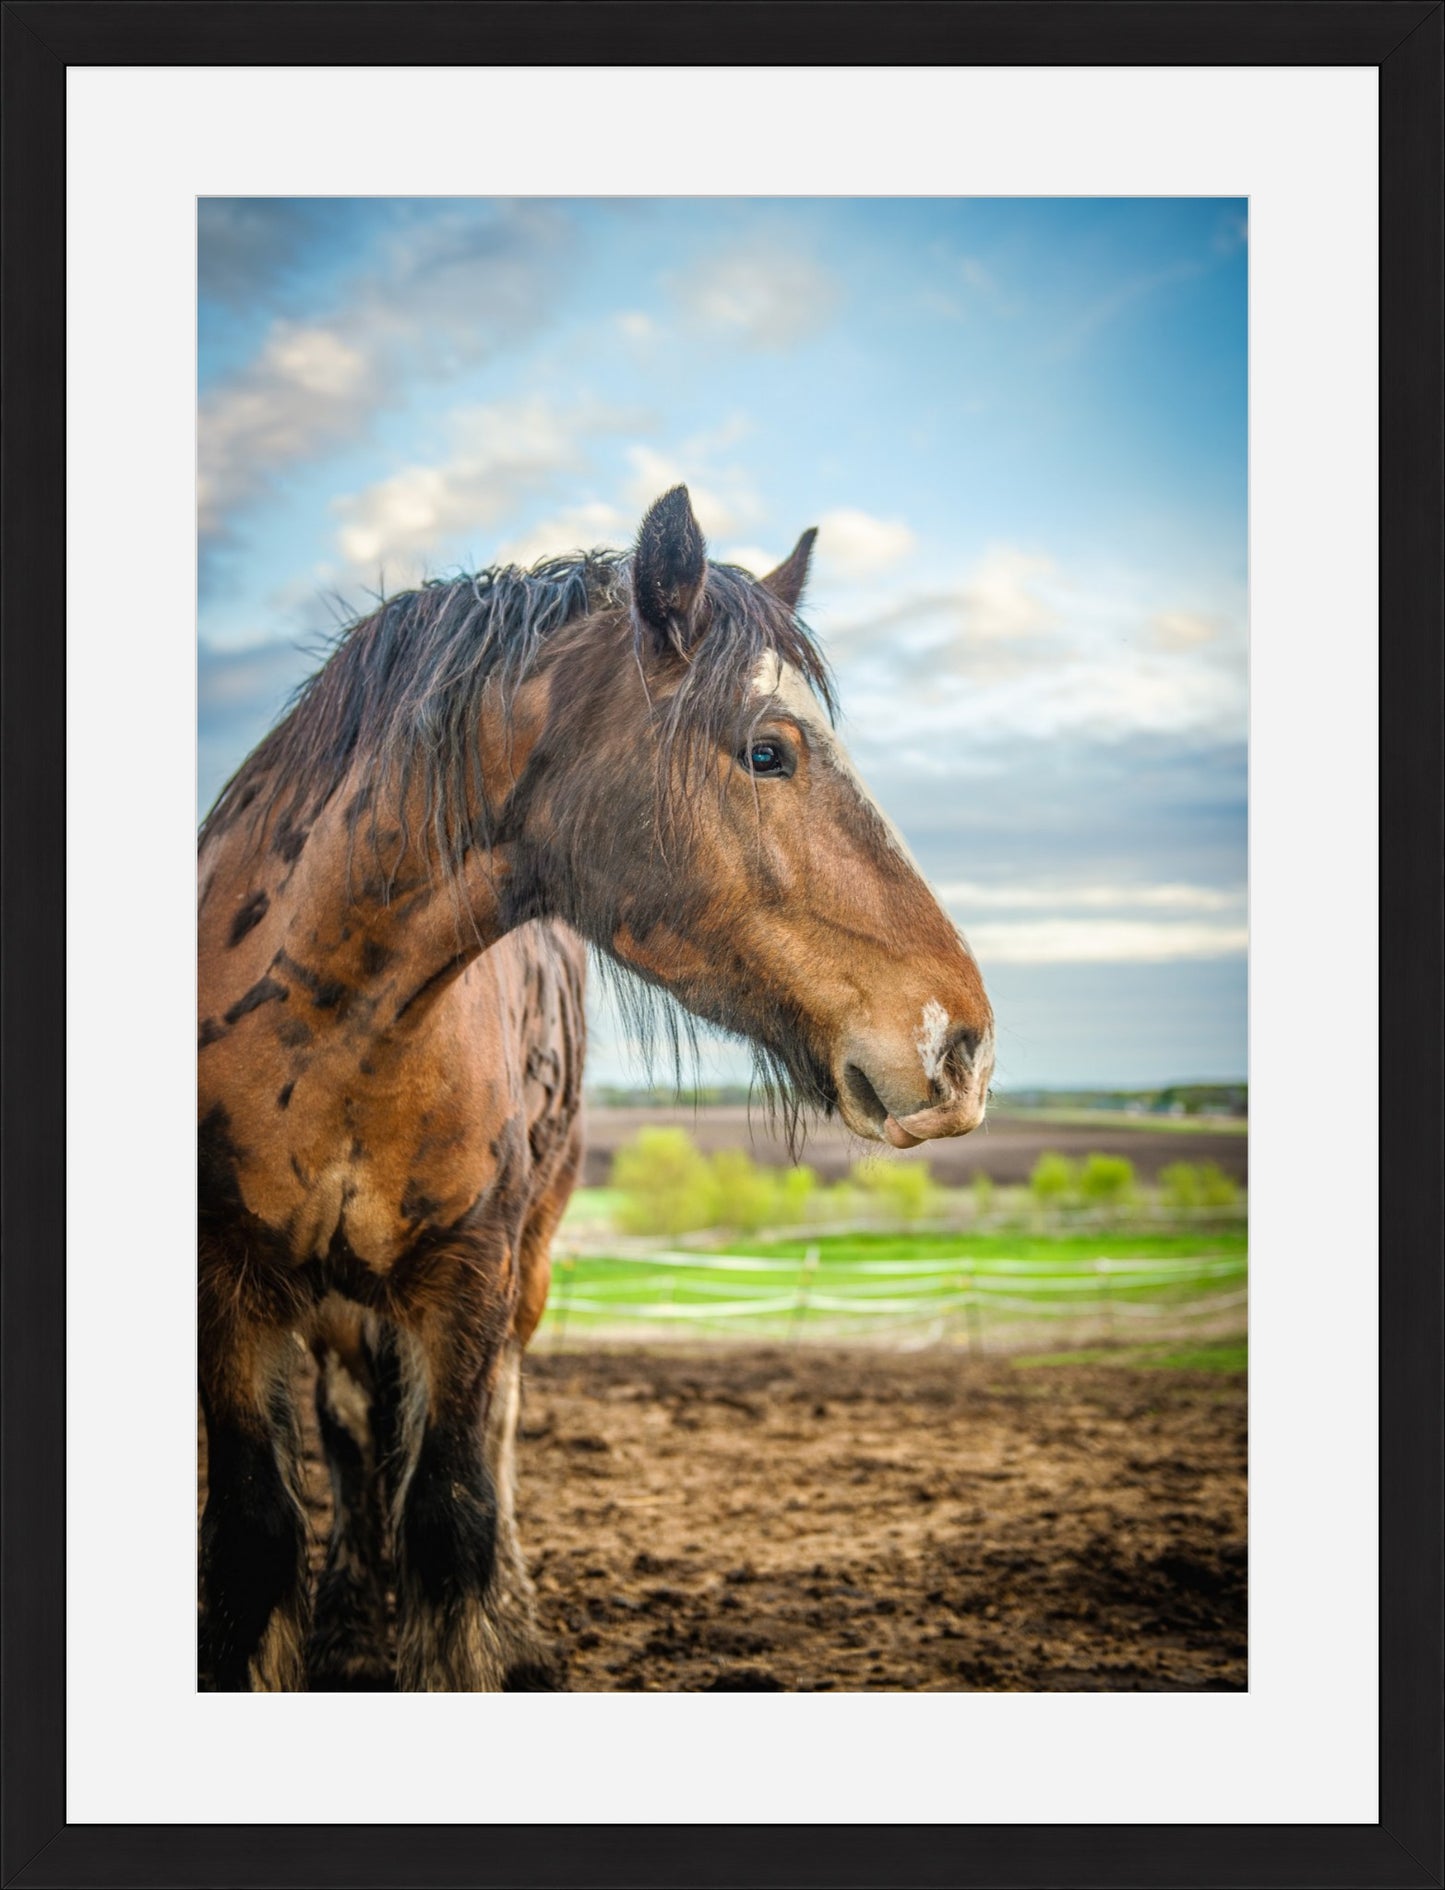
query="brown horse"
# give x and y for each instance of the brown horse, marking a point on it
(632, 751)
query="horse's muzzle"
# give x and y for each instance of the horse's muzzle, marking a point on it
(882, 1097)
(953, 1118)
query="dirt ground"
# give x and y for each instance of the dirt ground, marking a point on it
(1006, 1148)
(802, 1520)
(854, 1520)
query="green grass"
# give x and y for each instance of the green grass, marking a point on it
(858, 1281)
(1226, 1355)
(1069, 1248)
(591, 1205)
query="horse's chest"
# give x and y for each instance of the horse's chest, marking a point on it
(346, 1206)
(366, 1184)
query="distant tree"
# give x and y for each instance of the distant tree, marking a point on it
(902, 1190)
(666, 1183)
(1054, 1180)
(1216, 1189)
(747, 1196)
(1107, 1181)
(797, 1194)
(1179, 1185)
(983, 1192)
(668, 1186)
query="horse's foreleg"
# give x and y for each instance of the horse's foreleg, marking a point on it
(348, 1650)
(448, 1639)
(253, 1533)
(530, 1666)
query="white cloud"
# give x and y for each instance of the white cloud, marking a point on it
(582, 527)
(1108, 692)
(637, 326)
(306, 391)
(1183, 629)
(764, 297)
(1073, 930)
(1102, 941)
(968, 895)
(443, 291)
(501, 454)
(855, 544)
(504, 460)
(1001, 602)
(1016, 645)
(751, 558)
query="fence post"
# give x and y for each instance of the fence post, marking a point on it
(971, 1315)
(805, 1276)
(1101, 1269)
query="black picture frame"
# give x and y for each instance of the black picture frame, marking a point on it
(1403, 39)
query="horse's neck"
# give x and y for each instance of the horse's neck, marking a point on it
(359, 935)
(334, 1039)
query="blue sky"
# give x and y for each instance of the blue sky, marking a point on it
(1019, 424)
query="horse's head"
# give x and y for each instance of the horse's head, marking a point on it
(687, 806)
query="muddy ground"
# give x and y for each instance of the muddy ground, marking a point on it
(852, 1520)
(1006, 1148)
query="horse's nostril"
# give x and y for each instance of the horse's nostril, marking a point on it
(864, 1094)
(964, 1042)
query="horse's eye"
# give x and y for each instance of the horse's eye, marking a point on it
(766, 757)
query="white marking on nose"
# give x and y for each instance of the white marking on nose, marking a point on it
(930, 1038)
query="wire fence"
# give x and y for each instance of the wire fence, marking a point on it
(980, 1303)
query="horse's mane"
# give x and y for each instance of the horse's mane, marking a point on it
(401, 692)
(402, 689)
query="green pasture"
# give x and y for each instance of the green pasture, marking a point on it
(690, 1244)
(1223, 1355)
(968, 1286)
(589, 1206)
(1066, 1250)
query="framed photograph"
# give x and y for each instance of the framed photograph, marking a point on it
(672, 1220)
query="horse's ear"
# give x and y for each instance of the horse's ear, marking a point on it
(669, 566)
(788, 582)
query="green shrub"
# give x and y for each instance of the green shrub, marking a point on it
(747, 1196)
(798, 1196)
(666, 1183)
(1216, 1189)
(1107, 1181)
(983, 1192)
(903, 1191)
(1185, 1185)
(668, 1186)
(1054, 1180)
(843, 1201)
(1179, 1185)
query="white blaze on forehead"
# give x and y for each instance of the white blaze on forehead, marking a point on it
(786, 686)
(931, 1038)
(774, 677)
